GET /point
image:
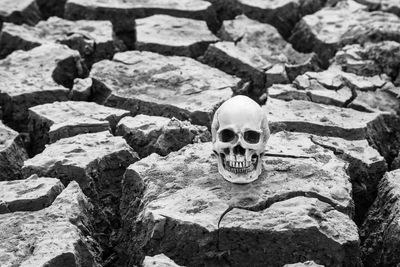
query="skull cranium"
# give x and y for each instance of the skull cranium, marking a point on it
(239, 135)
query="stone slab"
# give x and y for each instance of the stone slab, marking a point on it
(281, 14)
(173, 36)
(325, 31)
(379, 233)
(304, 264)
(96, 161)
(19, 12)
(53, 236)
(153, 134)
(383, 5)
(51, 122)
(31, 194)
(12, 154)
(159, 260)
(95, 40)
(183, 197)
(169, 86)
(122, 12)
(41, 75)
(320, 119)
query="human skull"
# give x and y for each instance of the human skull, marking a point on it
(239, 134)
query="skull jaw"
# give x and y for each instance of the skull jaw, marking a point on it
(239, 178)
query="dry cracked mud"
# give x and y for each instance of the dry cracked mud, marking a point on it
(106, 152)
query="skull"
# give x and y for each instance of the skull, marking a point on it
(239, 135)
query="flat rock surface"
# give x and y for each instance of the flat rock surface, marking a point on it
(51, 236)
(12, 154)
(383, 5)
(159, 260)
(380, 245)
(181, 215)
(51, 122)
(22, 11)
(173, 36)
(31, 194)
(153, 134)
(152, 84)
(93, 39)
(320, 119)
(96, 161)
(41, 75)
(346, 23)
(121, 12)
(304, 264)
(281, 14)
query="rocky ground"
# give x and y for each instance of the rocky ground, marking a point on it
(105, 149)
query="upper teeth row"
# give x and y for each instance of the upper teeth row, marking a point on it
(239, 164)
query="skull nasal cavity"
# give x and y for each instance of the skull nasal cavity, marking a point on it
(239, 150)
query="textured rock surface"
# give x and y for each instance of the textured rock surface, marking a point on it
(348, 22)
(282, 14)
(93, 39)
(366, 168)
(380, 232)
(153, 134)
(152, 84)
(54, 236)
(173, 36)
(96, 161)
(30, 78)
(31, 194)
(159, 260)
(309, 117)
(12, 154)
(370, 59)
(180, 215)
(384, 5)
(22, 11)
(122, 12)
(304, 264)
(257, 52)
(51, 122)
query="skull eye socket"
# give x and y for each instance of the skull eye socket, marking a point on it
(252, 137)
(227, 135)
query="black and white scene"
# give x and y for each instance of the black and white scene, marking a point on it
(199, 133)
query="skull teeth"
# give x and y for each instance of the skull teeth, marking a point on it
(239, 164)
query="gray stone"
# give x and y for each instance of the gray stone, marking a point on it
(96, 161)
(41, 75)
(122, 13)
(320, 119)
(257, 52)
(50, 8)
(383, 5)
(153, 134)
(366, 168)
(54, 236)
(19, 12)
(370, 59)
(173, 36)
(12, 154)
(169, 86)
(303, 195)
(51, 122)
(95, 40)
(380, 231)
(281, 14)
(159, 260)
(304, 264)
(31, 194)
(325, 31)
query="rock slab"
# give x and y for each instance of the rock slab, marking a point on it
(302, 196)
(152, 134)
(31, 194)
(169, 86)
(53, 236)
(51, 122)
